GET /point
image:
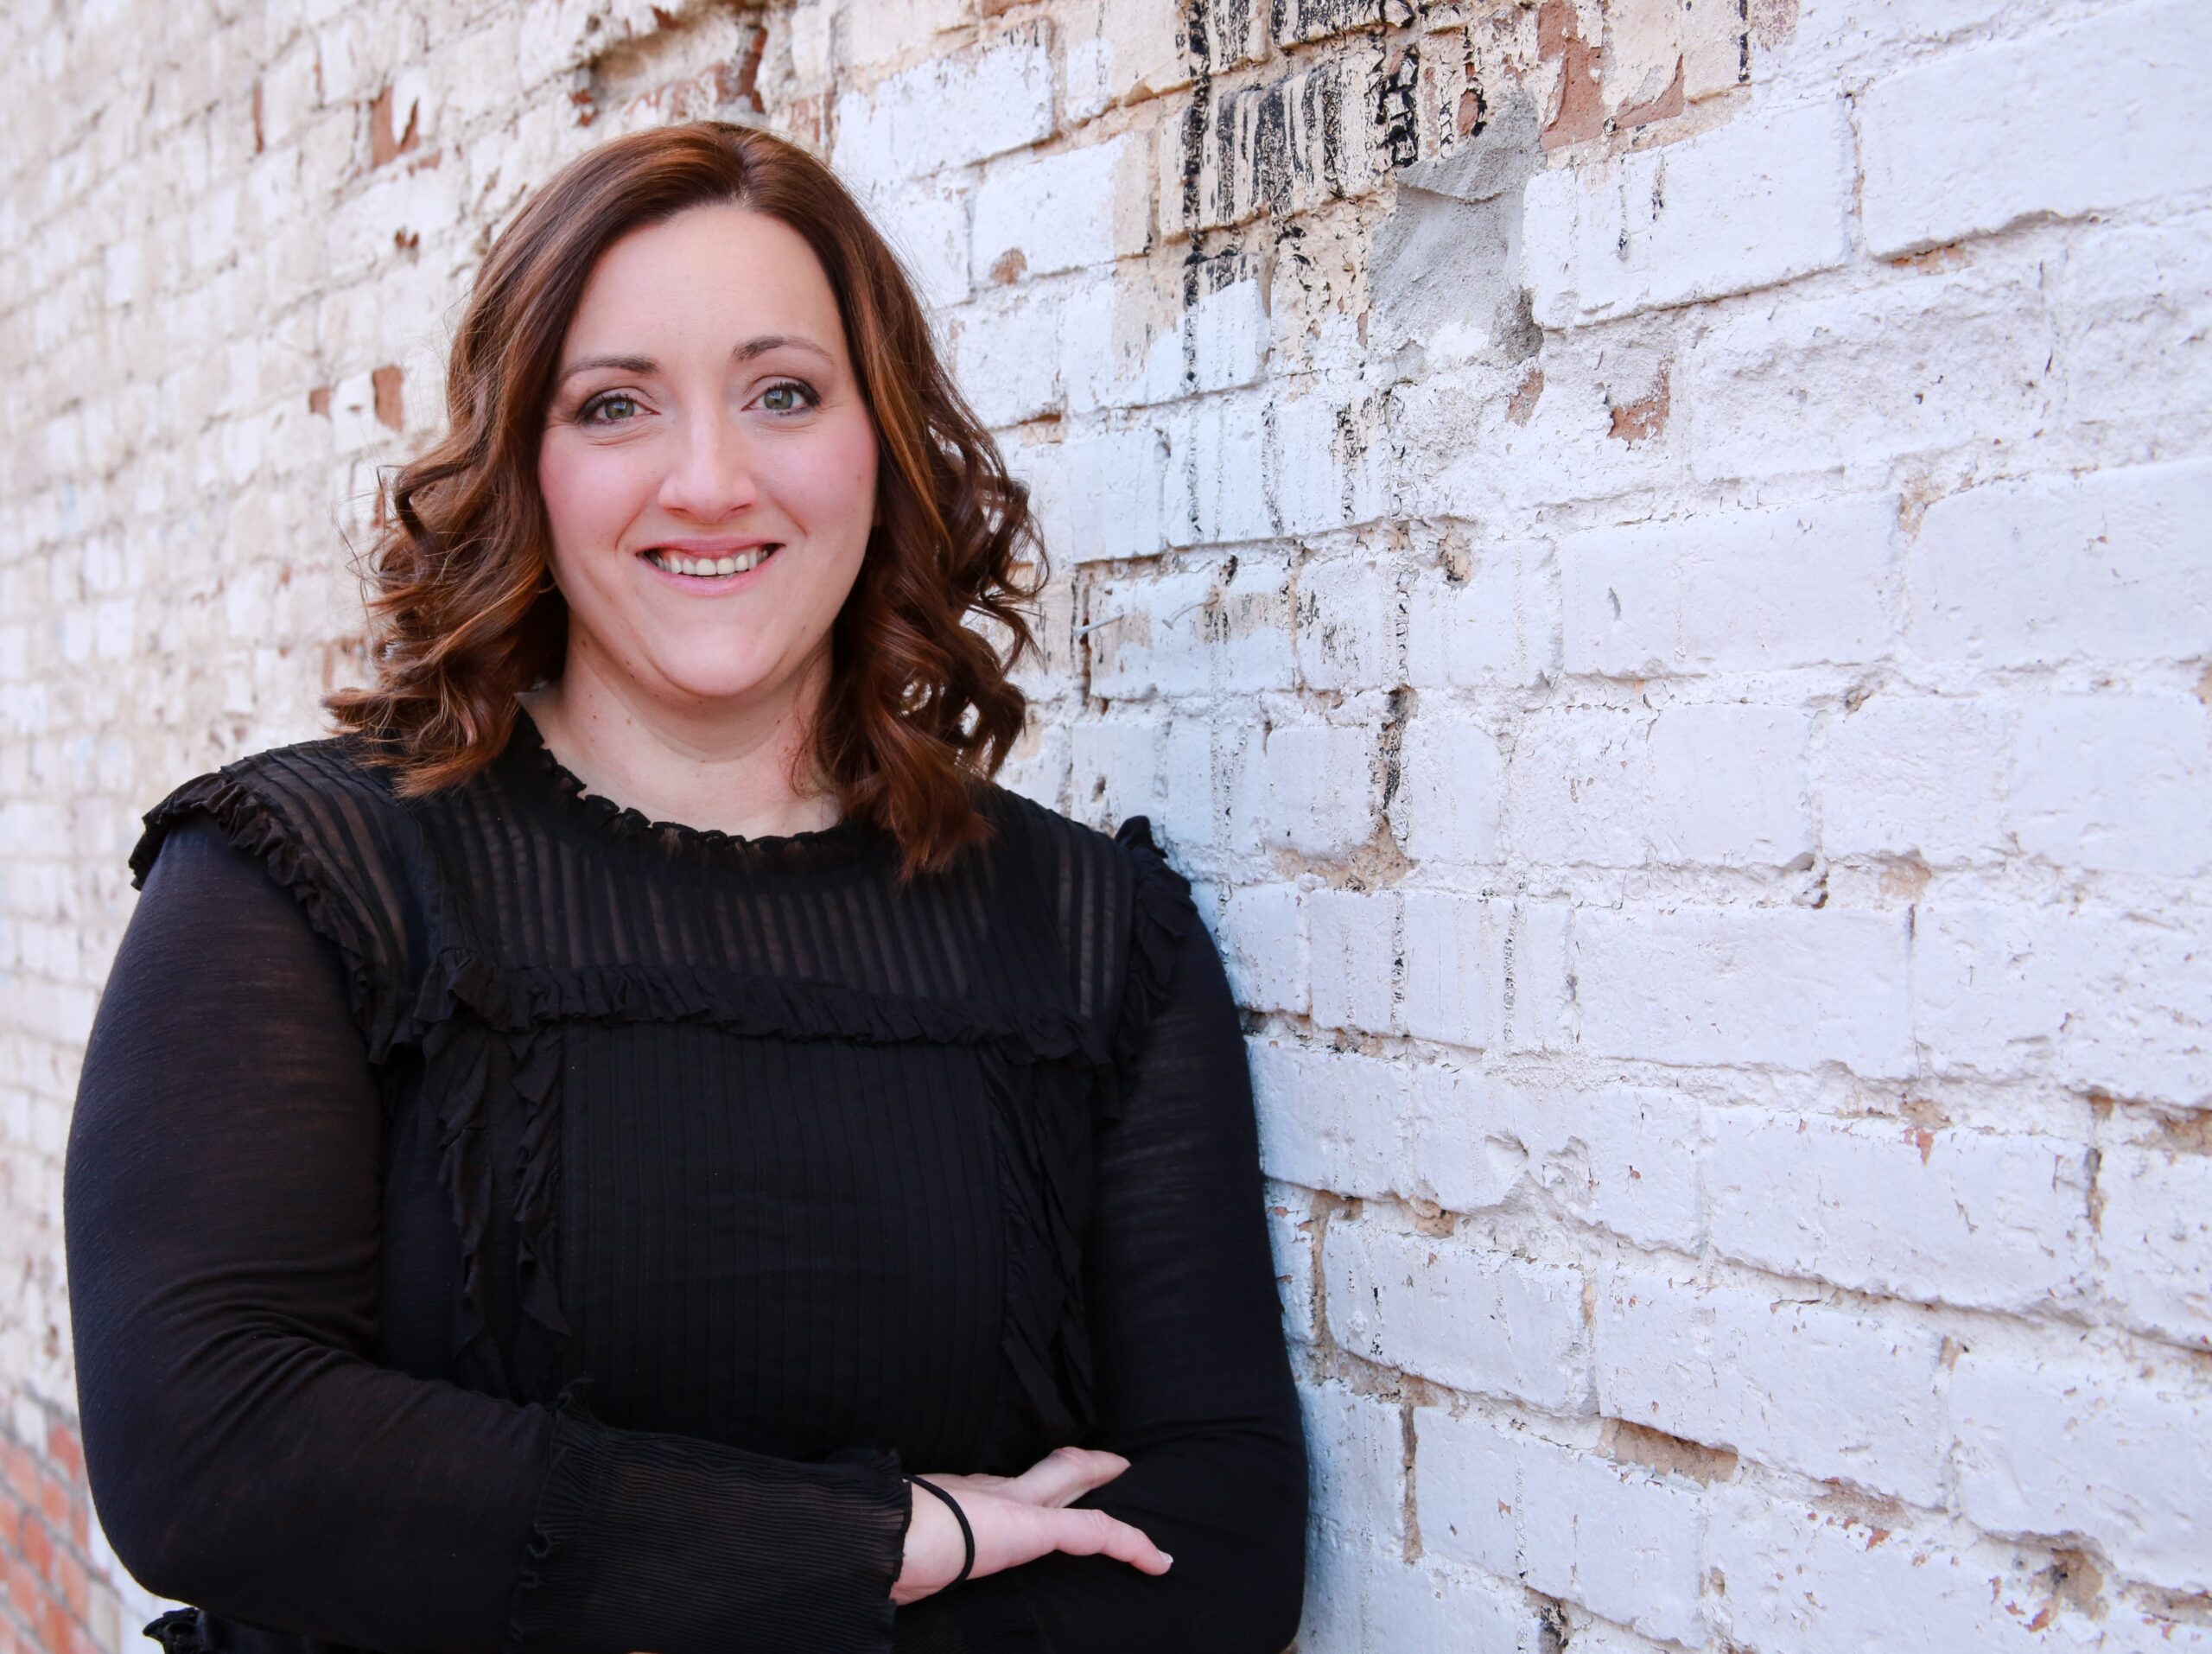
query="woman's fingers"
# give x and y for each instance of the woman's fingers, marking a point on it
(1017, 1521)
(1093, 1533)
(1063, 1474)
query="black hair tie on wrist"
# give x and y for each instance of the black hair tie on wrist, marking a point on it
(967, 1533)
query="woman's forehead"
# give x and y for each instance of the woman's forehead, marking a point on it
(720, 276)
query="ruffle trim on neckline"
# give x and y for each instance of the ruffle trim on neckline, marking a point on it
(528, 757)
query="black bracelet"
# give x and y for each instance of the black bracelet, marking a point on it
(967, 1533)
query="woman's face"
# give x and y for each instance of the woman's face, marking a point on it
(708, 465)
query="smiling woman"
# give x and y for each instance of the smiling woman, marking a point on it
(553, 1158)
(682, 476)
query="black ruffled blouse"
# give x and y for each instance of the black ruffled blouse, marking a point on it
(496, 1221)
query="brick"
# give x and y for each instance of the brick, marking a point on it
(1419, 1609)
(1953, 147)
(1576, 786)
(2154, 1238)
(927, 223)
(1003, 88)
(1262, 935)
(1290, 1237)
(2057, 1444)
(1005, 353)
(1760, 201)
(1309, 787)
(1161, 634)
(1283, 146)
(1347, 618)
(1614, 1538)
(1328, 1119)
(895, 28)
(1498, 625)
(1814, 1579)
(1916, 775)
(1625, 1159)
(1826, 1392)
(1354, 951)
(1114, 766)
(1448, 982)
(1037, 215)
(1791, 988)
(1984, 1219)
(1480, 1321)
(1357, 1446)
(2112, 566)
(1111, 507)
(1450, 787)
(1915, 364)
(2114, 781)
(1120, 49)
(1743, 591)
(1729, 785)
(2102, 1000)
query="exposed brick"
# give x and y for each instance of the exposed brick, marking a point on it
(2114, 781)
(1983, 1218)
(1646, 555)
(1751, 591)
(1918, 776)
(2112, 566)
(1755, 203)
(1480, 1321)
(1826, 1392)
(1955, 147)
(1612, 1538)
(2111, 1002)
(2052, 1443)
(1746, 986)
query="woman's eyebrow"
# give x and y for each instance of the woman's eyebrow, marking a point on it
(767, 342)
(744, 352)
(623, 363)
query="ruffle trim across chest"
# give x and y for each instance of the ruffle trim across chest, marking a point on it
(397, 999)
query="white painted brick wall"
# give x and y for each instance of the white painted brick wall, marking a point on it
(1658, 584)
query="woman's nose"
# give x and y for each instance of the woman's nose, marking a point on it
(710, 474)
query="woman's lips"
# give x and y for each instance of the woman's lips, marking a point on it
(701, 572)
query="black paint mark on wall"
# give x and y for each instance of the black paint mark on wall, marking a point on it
(1395, 108)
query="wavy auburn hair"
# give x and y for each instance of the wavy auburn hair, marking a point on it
(463, 617)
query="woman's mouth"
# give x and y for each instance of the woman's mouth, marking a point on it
(704, 568)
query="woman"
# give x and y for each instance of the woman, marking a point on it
(637, 1144)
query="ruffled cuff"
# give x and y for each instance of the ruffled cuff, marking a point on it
(643, 1541)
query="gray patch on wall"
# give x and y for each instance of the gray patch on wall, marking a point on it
(1445, 269)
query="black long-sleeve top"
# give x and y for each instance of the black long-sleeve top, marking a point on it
(496, 1221)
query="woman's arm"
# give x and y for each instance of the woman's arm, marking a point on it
(221, 1206)
(1193, 1376)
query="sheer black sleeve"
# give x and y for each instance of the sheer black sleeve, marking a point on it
(1194, 1374)
(246, 1453)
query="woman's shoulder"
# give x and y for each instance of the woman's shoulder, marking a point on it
(1122, 867)
(1114, 899)
(318, 799)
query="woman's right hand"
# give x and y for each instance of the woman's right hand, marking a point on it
(1017, 1519)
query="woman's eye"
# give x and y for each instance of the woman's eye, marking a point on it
(789, 397)
(614, 408)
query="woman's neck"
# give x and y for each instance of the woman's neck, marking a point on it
(726, 768)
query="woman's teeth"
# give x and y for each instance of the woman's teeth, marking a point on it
(676, 563)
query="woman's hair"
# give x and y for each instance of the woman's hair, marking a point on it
(462, 612)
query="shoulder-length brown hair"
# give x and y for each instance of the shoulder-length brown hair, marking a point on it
(462, 612)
